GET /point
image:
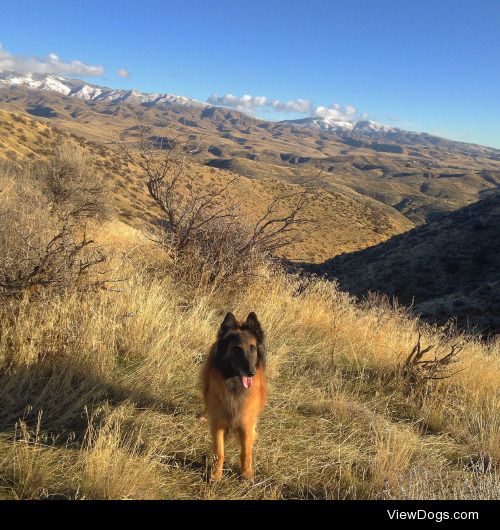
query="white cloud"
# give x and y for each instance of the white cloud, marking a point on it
(51, 64)
(123, 73)
(302, 106)
(246, 103)
(336, 112)
(250, 104)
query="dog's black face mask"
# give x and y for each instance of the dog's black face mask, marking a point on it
(240, 349)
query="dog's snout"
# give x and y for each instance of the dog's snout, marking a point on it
(251, 373)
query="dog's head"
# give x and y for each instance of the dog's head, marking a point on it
(240, 348)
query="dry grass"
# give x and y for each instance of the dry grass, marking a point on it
(100, 399)
(350, 221)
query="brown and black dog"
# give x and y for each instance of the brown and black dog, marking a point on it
(234, 387)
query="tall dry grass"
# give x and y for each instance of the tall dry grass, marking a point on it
(99, 388)
(100, 397)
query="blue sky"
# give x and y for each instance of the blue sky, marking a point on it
(421, 65)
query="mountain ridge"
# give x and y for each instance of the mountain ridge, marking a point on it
(93, 92)
(415, 175)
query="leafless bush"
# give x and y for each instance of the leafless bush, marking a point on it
(202, 222)
(69, 181)
(41, 247)
(214, 257)
(418, 371)
(39, 261)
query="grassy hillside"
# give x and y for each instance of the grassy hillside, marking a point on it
(348, 221)
(420, 176)
(100, 395)
(447, 268)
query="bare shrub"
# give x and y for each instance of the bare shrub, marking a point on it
(57, 259)
(41, 246)
(202, 223)
(69, 181)
(418, 370)
(214, 257)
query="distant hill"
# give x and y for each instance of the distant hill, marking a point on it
(90, 92)
(418, 175)
(349, 221)
(449, 268)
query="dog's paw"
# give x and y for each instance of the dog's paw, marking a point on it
(247, 474)
(216, 475)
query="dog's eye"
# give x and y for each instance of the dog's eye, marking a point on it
(252, 347)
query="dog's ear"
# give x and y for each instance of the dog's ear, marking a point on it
(252, 323)
(228, 323)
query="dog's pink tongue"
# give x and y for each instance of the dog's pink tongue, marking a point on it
(247, 381)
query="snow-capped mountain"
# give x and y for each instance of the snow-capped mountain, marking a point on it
(354, 126)
(82, 90)
(87, 92)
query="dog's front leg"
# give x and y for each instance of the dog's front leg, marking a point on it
(247, 438)
(218, 434)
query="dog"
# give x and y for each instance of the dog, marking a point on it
(234, 388)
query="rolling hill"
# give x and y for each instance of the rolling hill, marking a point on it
(348, 220)
(419, 175)
(449, 268)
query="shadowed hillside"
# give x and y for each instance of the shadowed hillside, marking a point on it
(449, 268)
